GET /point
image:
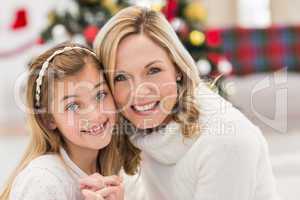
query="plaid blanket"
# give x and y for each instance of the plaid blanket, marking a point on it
(262, 50)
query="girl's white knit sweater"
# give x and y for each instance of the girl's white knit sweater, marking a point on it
(48, 177)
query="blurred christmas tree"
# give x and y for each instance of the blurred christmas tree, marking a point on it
(188, 17)
(80, 20)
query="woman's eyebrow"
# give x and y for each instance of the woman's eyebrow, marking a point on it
(152, 62)
(120, 72)
(146, 66)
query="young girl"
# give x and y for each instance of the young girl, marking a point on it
(71, 116)
(188, 141)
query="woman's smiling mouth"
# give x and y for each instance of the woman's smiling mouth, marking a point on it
(146, 109)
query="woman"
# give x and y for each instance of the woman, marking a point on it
(187, 141)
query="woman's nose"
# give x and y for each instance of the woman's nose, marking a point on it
(143, 89)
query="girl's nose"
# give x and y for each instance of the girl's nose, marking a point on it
(95, 112)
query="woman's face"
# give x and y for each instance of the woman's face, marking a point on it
(145, 87)
(83, 109)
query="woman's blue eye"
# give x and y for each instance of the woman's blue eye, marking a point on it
(120, 77)
(101, 95)
(154, 70)
(72, 107)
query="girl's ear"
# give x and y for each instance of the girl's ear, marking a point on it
(52, 124)
(49, 122)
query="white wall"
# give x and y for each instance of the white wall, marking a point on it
(285, 11)
(224, 13)
(221, 13)
(254, 13)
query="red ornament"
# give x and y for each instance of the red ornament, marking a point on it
(213, 38)
(40, 41)
(90, 33)
(170, 10)
(20, 20)
(184, 32)
(214, 57)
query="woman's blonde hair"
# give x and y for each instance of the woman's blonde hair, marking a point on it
(42, 139)
(138, 20)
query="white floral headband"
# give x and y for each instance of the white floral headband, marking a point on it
(39, 80)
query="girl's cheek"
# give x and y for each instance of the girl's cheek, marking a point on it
(71, 124)
(110, 107)
(70, 119)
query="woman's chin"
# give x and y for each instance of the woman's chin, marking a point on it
(148, 124)
(143, 127)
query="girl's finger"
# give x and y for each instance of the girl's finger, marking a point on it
(107, 191)
(98, 182)
(90, 195)
(92, 183)
(112, 180)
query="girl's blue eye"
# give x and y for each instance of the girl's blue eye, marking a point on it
(120, 77)
(101, 95)
(72, 107)
(154, 70)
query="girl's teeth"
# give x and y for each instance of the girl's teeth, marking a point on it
(145, 107)
(97, 128)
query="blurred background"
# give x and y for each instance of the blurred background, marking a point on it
(255, 44)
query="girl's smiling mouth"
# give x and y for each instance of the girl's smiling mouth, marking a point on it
(96, 130)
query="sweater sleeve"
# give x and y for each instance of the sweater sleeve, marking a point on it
(133, 186)
(36, 184)
(266, 187)
(235, 168)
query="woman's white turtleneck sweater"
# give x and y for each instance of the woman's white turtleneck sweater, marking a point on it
(229, 160)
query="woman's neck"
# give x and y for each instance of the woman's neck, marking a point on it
(85, 159)
(157, 128)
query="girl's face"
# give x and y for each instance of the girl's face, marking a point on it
(144, 82)
(83, 109)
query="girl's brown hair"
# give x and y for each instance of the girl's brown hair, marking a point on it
(42, 139)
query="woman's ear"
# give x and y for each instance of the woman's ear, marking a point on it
(49, 122)
(178, 77)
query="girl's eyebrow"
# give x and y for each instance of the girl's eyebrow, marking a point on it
(96, 86)
(68, 96)
(99, 84)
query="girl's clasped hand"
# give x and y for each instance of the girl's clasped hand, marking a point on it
(98, 187)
